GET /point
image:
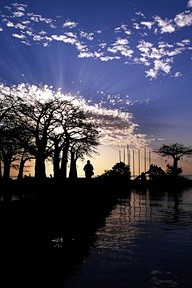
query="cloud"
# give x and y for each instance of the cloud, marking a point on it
(64, 38)
(116, 127)
(160, 58)
(19, 36)
(189, 4)
(148, 24)
(127, 44)
(165, 26)
(183, 19)
(70, 24)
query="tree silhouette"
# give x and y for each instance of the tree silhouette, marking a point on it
(37, 119)
(8, 143)
(176, 151)
(119, 171)
(43, 128)
(85, 144)
(77, 137)
(8, 152)
(155, 172)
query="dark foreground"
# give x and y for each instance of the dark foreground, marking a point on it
(48, 229)
(51, 227)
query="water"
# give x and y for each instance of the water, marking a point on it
(146, 241)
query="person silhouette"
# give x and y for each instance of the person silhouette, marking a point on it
(88, 168)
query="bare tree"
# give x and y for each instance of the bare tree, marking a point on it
(38, 119)
(69, 117)
(47, 128)
(176, 151)
(78, 137)
(85, 144)
(9, 148)
(24, 156)
(7, 104)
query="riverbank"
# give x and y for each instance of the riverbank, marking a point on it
(107, 188)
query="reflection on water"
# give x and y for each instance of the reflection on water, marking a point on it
(145, 242)
(10, 198)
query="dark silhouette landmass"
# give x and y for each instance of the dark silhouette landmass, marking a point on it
(49, 226)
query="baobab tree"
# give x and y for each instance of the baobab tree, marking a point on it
(176, 151)
(9, 150)
(7, 104)
(78, 136)
(85, 144)
(8, 145)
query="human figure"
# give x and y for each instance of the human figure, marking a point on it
(88, 168)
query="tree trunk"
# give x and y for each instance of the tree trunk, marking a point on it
(175, 166)
(21, 169)
(73, 166)
(56, 169)
(7, 167)
(64, 160)
(40, 173)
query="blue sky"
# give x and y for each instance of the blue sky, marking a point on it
(127, 61)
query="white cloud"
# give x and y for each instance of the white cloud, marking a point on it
(37, 38)
(109, 58)
(18, 14)
(116, 127)
(121, 46)
(86, 54)
(20, 26)
(19, 36)
(136, 26)
(183, 19)
(69, 24)
(166, 26)
(88, 36)
(123, 28)
(163, 65)
(130, 47)
(39, 18)
(189, 4)
(151, 73)
(64, 39)
(19, 7)
(147, 24)
(177, 74)
(10, 24)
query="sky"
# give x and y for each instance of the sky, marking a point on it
(127, 61)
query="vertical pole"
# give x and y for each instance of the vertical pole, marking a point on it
(119, 155)
(149, 159)
(128, 155)
(124, 154)
(139, 163)
(145, 160)
(133, 163)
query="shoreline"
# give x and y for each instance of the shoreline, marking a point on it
(51, 188)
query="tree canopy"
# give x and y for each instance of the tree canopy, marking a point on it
(176, 151)
(44, 128)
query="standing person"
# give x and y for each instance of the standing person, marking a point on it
(88, 168)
